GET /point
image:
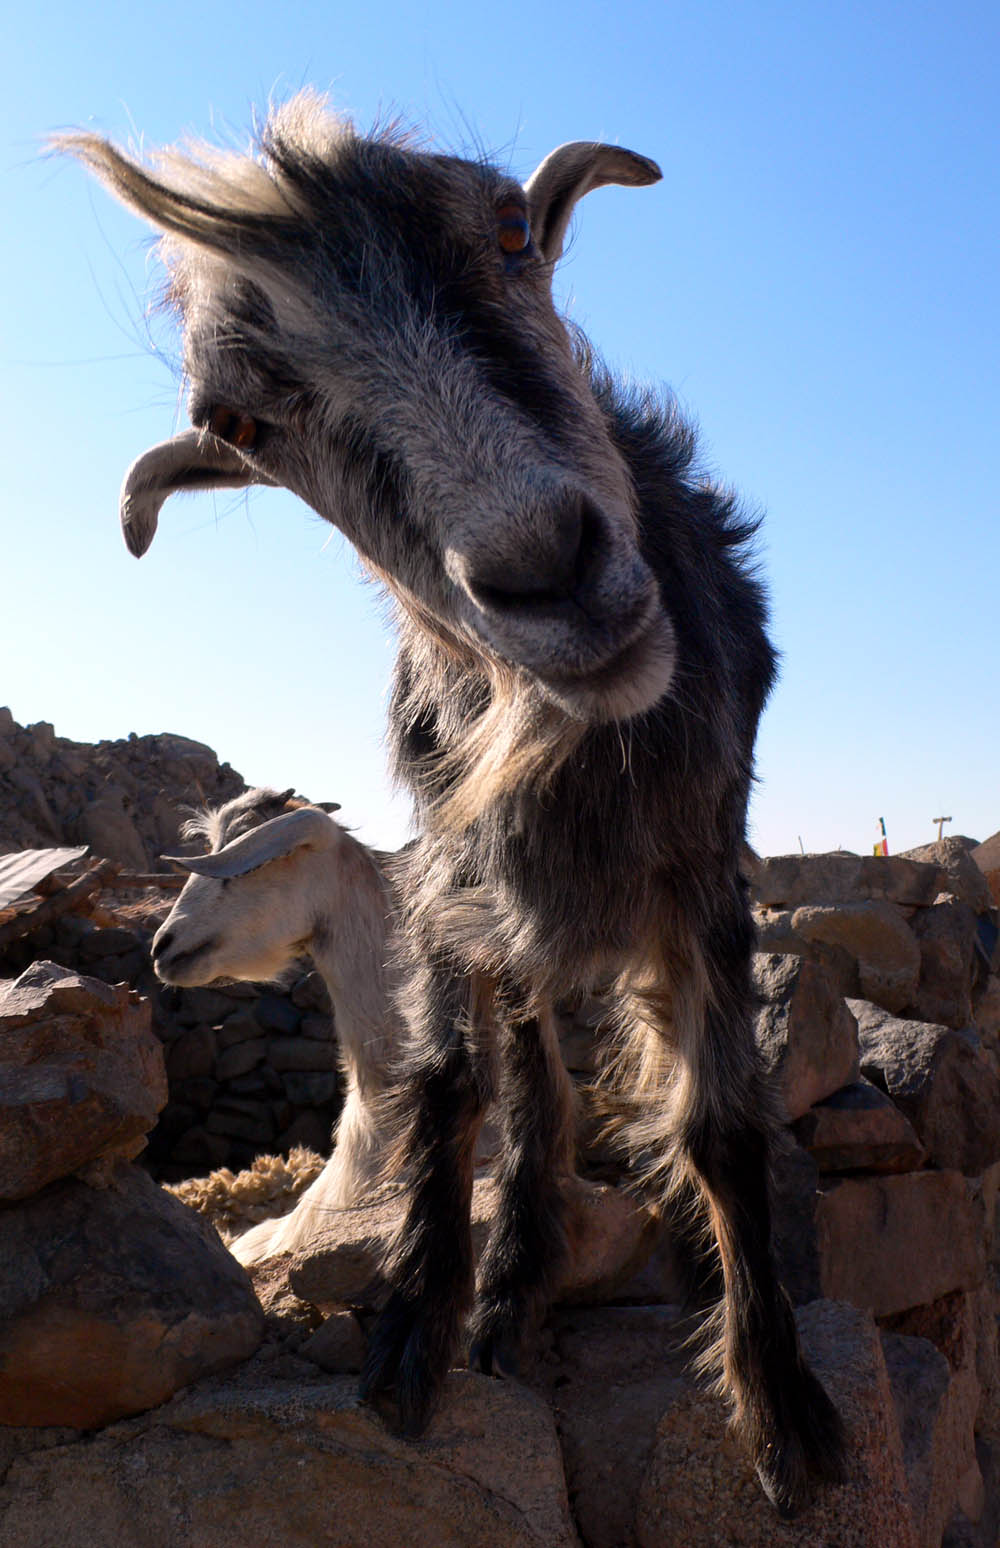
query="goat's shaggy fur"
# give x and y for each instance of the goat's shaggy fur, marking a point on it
(582, 665)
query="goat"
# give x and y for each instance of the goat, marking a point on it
(582, 664)
(282, 879)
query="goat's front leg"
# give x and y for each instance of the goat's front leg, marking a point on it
(443, 1089)
(715, 1134)
(527, 1246)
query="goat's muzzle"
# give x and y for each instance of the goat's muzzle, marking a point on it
(572, 602)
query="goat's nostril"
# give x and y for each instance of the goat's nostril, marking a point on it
(161, 943)
(548, 571)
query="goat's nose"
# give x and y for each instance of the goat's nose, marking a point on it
(549, 565)
(161, 943)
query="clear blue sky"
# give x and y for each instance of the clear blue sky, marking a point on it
(816, 278)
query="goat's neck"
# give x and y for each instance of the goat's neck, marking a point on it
(352, 964)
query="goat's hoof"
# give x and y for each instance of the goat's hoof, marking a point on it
(495, 1355)
(406, 1363)
(786, 1484)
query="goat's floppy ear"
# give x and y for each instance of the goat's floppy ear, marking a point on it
(271, 841)
(191, 460)
(570, 172)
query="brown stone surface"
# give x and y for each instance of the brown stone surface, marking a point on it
(81, 1075)
(946, 934)
(859, 1129)
(790, 880)
(338, 1345)
(619, 1370)
(888, 1243)
(264, 1462)
(876, 937)
(935, 1411)
(609, 1234)
(804, 1030)
(986, 857)
(962, 875)
(938, 1078)
(700, 1492)
(111, 1298)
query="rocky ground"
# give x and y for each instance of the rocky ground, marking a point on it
(152, 1391)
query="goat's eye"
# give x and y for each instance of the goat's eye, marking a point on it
(513, 229)
(238, 429)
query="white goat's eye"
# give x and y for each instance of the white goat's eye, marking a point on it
(237, 429)
(513, 229)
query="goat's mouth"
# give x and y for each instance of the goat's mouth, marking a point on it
(176, 967)
(631, 682)
(596, 665)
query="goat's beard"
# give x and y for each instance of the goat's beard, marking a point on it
(515, 747)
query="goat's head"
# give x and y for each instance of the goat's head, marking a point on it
(372, 326)
(256, 900)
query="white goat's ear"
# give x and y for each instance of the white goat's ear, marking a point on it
(271, 841)
(190, 460)
(567, 174)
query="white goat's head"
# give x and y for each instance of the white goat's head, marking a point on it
(278, 876)
(372, 327)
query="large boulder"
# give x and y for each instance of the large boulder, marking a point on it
(295, 1461)
(840, 877)
(620, 1368)
(81, 1075)
(699, 1490)
(874, 937)
(888, 1243)
(111, 1298)
(940, 1080)
(946, 934)
(986, 857)
(859, 1129)
(956, 857)
(610, 1236)
(804, 1030)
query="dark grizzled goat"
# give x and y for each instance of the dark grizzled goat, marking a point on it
(581, 669)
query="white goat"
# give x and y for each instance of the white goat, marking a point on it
(282, 879)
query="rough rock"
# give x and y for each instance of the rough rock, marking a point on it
(889, 1243)
(609, 1233)
(111, 1298)
(986, 857)
(938, 1078)
(121, 797)
(859, 1129)
(790, 880)
(700, 1492)
(262, 1460)
(81, 1075)
(875, 937)
(955, 856)
(619, 1370)
(935, 1411)
(804, 1030)
(946, 934)
(338, 1345)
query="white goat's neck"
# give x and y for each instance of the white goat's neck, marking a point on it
(350, 950)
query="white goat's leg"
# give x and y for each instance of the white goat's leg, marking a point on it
(346, 1180)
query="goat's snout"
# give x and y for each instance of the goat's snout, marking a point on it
(554, 568)
(162, 941)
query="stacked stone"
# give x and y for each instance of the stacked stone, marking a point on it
(112, 1294)
(877, 988)
(251, 1067)
(880, 1023)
